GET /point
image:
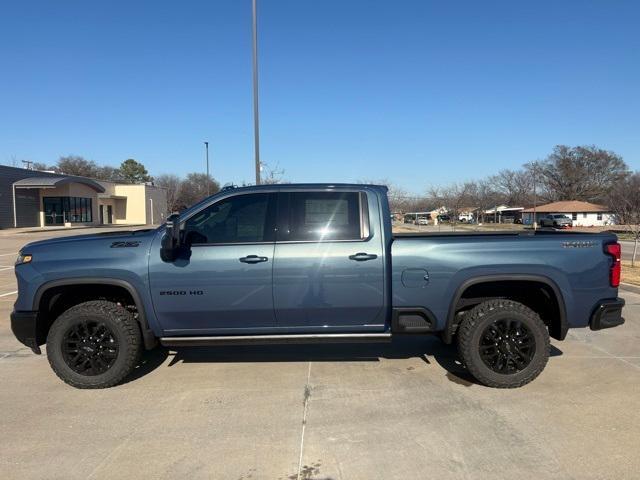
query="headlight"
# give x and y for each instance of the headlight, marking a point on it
(23, 258)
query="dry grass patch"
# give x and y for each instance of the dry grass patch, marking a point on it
(631, 274)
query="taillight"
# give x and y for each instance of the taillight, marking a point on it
(615, 250)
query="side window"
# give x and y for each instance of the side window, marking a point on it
(323, 216)
(239, 219)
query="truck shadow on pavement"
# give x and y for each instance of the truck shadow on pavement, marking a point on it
(428, 349)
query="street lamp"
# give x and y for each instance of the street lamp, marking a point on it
(206, 147)
(256, 126)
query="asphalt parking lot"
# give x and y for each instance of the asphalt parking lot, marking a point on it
(406, 410)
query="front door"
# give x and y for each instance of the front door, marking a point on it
(222, 283)
(53, 213)
(329, 265)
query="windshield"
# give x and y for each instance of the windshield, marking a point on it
(560, 216)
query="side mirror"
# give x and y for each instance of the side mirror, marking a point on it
(171, 240)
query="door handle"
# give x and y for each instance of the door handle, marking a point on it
(253, 259)
(363, 257)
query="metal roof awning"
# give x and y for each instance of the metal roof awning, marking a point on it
(53, 182)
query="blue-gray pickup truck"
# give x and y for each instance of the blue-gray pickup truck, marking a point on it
(309, 263)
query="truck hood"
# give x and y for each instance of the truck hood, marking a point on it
(82, 241)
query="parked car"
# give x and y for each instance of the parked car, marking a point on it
(422, 221)
(309, 263)
(444, 218)
(556, 221)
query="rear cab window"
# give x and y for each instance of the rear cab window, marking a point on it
(323, 216)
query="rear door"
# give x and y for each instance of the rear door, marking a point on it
(328, 272)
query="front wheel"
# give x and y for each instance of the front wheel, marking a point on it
(503, 344)
(94, 344)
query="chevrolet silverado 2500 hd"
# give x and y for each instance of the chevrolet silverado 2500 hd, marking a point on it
(309, 263)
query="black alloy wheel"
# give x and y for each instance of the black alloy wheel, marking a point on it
(89, 348)
(507, 346)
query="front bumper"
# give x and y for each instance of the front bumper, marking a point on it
(28, 329)
(608, 314)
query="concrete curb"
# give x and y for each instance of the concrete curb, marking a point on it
(630, 288)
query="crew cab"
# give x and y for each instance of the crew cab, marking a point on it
(309, 263)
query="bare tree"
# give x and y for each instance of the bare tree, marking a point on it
(40, 166)
(583, 173)
(271, 174)
(77, 165)
(483, 195)
(624, 201)
(453, 197)
(172, 184)
(514, 186)
(399, 199)
(194, 188)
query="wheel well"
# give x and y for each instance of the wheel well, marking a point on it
(539, 296)
(56, 300)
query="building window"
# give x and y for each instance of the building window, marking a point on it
(584, 215)
(60, 210)
(574, 216)
(600, 216)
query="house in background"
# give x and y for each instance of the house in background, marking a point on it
(583, 214)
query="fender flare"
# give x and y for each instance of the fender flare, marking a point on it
(147, 334)
(559, 333)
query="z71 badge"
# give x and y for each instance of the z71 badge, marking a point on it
(125, 244)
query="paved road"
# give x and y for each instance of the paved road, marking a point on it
(401, 411)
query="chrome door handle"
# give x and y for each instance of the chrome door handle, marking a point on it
(363, 257)
(253, 259)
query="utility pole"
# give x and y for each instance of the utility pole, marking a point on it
(256, 123)
(206, 147)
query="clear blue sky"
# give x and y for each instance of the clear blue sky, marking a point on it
(418, 92)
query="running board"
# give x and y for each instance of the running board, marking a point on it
(275, 339)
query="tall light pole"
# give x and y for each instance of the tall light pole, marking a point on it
(256, 123)
(535, 199)
(206, 148)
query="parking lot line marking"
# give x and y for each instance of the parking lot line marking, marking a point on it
(307, 394)
(6, 254)
(5, 268)
(8, 293)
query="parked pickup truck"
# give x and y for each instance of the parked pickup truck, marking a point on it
(309, 263)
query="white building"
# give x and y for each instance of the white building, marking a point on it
(503, 214)
(583, 214)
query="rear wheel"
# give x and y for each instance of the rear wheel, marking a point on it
(94, 344)
(503, 343)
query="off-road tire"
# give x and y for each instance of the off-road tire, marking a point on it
(125, 331)
(474, 325)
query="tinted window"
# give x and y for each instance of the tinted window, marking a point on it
(324, 216)
(239, 219)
